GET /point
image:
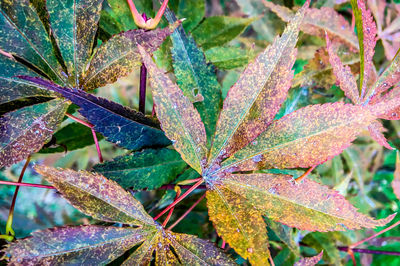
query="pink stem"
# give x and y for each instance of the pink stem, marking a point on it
(21, 176)
(187, 212)
(25, 184)
(223, 244)
(305, 174)
(374, 235)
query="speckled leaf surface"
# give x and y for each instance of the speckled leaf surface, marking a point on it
(194, 77)
(309, 261)
(13, 88)
(218, 30)
(150, 168)
(256, 97)
(396, 178)
(230, 214)
(24, 131)
(318, 21)
(343, 74)
(88, 245)
(393, 112)
(96, 196)
(119, 124)
(118, 56)
(228, 57)
(306, 137)
(285, 234)
(193, 11)
(179, 119)
(306, 205)
(74, 24)
(376, 131)
(23, 34)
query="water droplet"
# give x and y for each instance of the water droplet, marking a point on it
(257, 158)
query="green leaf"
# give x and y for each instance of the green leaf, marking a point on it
(96, 196)
(323, 242)
(74, 25)
(195, 78)
(118, 56)
(71, 137)
(309, 261)
(179, 119)
(230, 215)
(193, 11)
(23, 34)
(216, 31)
(90, 245)
(285, 234)
(143, 169)
(24, 131)
(228, 57)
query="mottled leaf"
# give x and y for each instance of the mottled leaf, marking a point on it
(310, 261)
(24, 131)
(307, 206)
(396, 177)
(192, 11)
(143, 169)
(376, 130)
(119, 56)
(230, 215)
(96, 196)
(216, 31)
(179, 119)
(285, 234)
(306, 137)
(89, 245)
(121, 125)
(256, 97)
(23, 34)
(228, 57)
(74, 25)
(194, 77)
(318, 21)
(392, 96)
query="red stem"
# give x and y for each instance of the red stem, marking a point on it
(305, 174)
(184, 195)
(19, 184)
(223, 244)
(187, 212)
(21, 176)
(169, 187)
(178, 193)
(370, 251)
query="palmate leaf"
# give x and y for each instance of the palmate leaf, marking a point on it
(150, 168)
(179, 119)
(121, 125)
(194, 77)
(118, 56)
(103, 199)
(23, 132)
(256, 97)
(74, 25)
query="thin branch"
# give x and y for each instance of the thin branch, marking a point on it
(171, 186)
(374, 235)
(178, 193)
(19, 184)
(305, 174)
(370, 251)
(187, 212)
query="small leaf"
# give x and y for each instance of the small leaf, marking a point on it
(256, 97)
(396, 178)
(304, 138)
(74, 25)
(24, 131)
(311, 261)
(121, 125)
(307, 206)
(143, 169)
(96, 196)
(118, 57)
(179, 119)
(228, 57)
(194, 77)
(89, 245)
(23, 34)
(216, 31)
(230, 214)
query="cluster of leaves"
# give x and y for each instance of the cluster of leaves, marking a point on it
(242, 145)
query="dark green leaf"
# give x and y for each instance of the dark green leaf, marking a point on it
(228, 57)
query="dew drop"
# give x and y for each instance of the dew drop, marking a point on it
(257, 158)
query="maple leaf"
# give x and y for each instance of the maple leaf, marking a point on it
(247, 139)
(105, 200)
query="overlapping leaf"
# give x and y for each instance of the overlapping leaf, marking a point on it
(396, 178)
(149, 168)
(228, 57)
(23, 132)
(309, 261)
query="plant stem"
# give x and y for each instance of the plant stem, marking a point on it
(169, 187)
(143, 80)
(223, 244)
(10, 183)
(178, 193)
(179, 199)
(374, 235)
(9, 230)
(370, 251)
(187, 212)
(305, 174)
(89, 125)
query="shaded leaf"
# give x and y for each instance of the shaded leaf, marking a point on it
(228, 57)
(256, 97)
(216, 31)
(74, 25)
(96, 196)
(307, 206)
(311, 261)
(285, 234)
(194, 77)
(143, 169)
(23, 34)
(230, 215)
(306, 137)
(121, 125)
(179, 119)
(323, 242)
(117, 57)
(90, 244)
(396, 178)
(24, 131)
